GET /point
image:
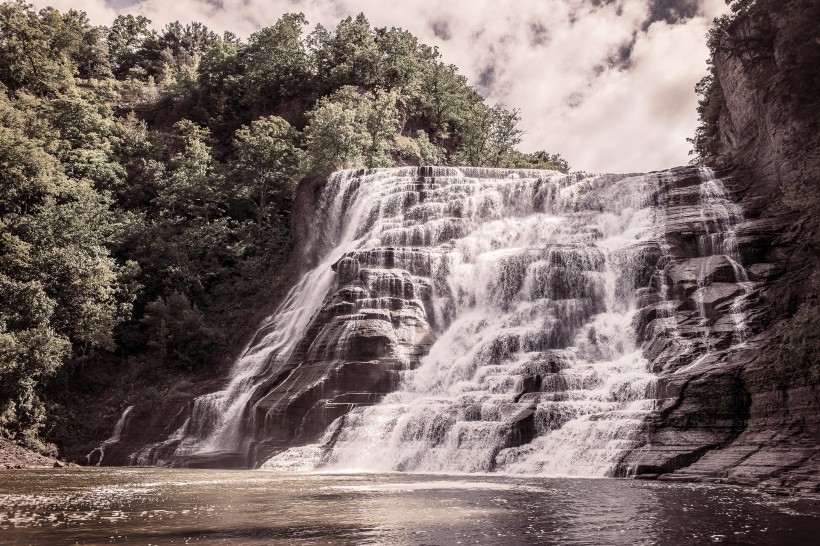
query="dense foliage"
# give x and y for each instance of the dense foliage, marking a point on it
(148, 179)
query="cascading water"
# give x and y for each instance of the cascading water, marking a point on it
(720, 217)
(470, 320)
(217, 421)
(95, 457)
(536, 367)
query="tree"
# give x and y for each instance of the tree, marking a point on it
(220, 80)
(126, 37)
(83, 134)
(268, 165)
(32, 55)
(276, 64)
(442, 99)
(348, 56)
(178, 332)
(361, 124)
(380, 116)
(335, 137)
(504, 134)
(191, 191)
(403, 60)
(488, 136)
(187, 41)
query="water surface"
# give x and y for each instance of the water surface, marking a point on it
(178, 506)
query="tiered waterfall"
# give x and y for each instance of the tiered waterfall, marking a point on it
(470, 320)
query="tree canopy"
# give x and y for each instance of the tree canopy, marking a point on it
(148, 177)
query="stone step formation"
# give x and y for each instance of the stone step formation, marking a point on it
(475, 320)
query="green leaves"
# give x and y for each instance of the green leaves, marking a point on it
(58, 282)
(336, 138)
(127, 35)
(267, 166)
(276, 64)
(34, 51)
(348, 56)
(179, 332)
(191, 190)
(351, 129)
(147, 177)
(488, 136)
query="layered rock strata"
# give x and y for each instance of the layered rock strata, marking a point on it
(545, 387)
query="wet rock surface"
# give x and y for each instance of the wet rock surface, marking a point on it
(734, 415)
(726, 412)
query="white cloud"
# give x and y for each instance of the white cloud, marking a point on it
(594, 80)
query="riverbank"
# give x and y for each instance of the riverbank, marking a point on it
(13, 455)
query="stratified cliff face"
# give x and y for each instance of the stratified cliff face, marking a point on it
(737, 415)
(766, 64)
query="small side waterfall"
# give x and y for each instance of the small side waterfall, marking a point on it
(95, 457)
(720, 217)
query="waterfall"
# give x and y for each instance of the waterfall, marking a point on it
(536, 368)
(95, 457)
(477, 320)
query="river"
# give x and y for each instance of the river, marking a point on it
(179, 506)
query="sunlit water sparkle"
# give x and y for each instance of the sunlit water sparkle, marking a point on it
(179, 506)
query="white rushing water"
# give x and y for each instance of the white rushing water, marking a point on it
(720, 217)
(529, 281)
(534, 277)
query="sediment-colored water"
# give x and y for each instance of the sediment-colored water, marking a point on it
(178, 506)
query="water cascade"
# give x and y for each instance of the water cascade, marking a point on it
(474, 320)
(720, 218)
(96, 455)
(533, 279)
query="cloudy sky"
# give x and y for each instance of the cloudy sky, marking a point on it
(606, 83)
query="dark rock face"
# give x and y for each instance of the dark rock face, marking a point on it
(771, 128)
(736, 416)
(726, 412)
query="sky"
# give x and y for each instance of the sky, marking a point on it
(608, 84)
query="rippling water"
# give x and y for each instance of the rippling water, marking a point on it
(165, 506)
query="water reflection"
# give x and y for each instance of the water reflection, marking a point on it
(163, 506)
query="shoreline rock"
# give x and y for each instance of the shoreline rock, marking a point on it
(14, 456)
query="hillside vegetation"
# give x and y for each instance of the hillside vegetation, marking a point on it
(148, 180)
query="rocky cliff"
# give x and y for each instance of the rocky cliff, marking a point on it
(746, 414)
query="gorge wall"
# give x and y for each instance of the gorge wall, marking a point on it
(749, 415)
